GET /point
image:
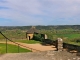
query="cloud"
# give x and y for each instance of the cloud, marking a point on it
(37, 12)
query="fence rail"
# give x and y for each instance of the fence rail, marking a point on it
(19, 45)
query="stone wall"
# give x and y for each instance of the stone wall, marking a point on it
(71, 47)
(59, 43)
(65, 45)
(29, 36)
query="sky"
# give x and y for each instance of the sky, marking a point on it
(39, 12)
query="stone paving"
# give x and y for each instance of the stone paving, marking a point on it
(45, 55)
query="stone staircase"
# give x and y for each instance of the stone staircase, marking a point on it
(45, 55)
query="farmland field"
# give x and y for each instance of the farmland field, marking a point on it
(69, 34)
(11, 49)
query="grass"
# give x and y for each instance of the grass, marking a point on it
(22, 41)
(69, 36)
(11, 49)
(74, 43)
(28, 41)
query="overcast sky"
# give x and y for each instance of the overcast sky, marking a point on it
(39, 12)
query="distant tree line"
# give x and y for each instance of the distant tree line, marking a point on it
(39, 27)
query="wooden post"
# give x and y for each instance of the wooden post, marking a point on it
(18, 48)
(6, 45)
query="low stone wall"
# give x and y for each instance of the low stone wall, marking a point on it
(48, 41)
(65, 45)
(71, 47)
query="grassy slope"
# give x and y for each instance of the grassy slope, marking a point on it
(11, 49)
(69, 36)
(51, 34)
(28, 41)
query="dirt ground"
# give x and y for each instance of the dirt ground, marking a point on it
(34, 47)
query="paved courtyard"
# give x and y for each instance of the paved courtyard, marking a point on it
(45, 55)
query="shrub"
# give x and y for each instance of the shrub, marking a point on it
(37, 37)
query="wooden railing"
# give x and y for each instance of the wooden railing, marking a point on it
(19, 45)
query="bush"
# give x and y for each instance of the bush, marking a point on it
(37, 37)
(75, 40)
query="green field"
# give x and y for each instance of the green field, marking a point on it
(68, 35)
(22, 41)
(28, 41)
(11, 49)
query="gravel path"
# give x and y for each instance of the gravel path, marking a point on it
(46, 55)
(34, 47)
